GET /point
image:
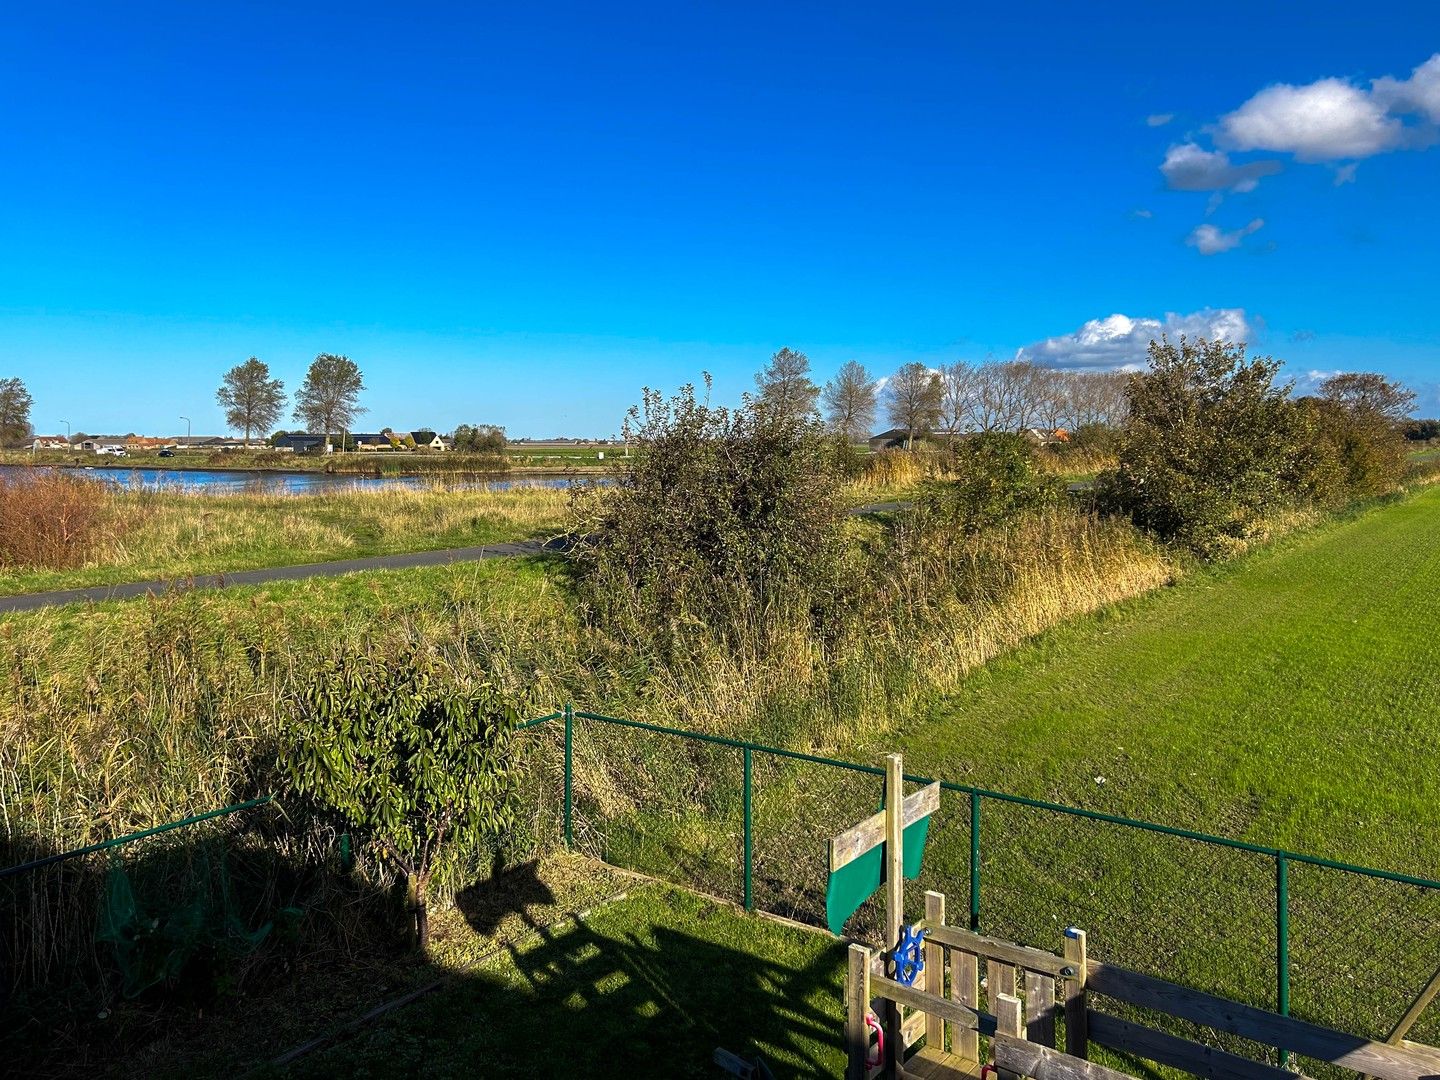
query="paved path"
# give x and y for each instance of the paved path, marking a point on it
(403, 561)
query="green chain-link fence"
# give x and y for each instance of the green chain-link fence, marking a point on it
(1345, 946)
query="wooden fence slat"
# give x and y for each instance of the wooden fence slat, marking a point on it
(1000, 978)
(951, 1011)
(1015, 1057)
(1040, 1008)
(987, 948)
(870, 833)
(934, 969)
(1165, 1049)
(965, 988)
(1009, 1020)
(1406, 1061)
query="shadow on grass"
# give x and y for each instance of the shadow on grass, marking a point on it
(649, 986)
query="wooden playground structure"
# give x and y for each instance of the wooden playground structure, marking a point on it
(916, 1008)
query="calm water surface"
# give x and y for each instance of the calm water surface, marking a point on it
(222, 481)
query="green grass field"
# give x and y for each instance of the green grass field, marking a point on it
(1289, 699)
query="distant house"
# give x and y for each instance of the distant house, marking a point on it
(428, 440)
(895, 438)
(102, 444)
(197, 442)
(373, 440)
(304, 443)
(50, 442)
(146, 442)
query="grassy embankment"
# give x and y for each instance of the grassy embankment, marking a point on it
(170, 535)
(1294, 702)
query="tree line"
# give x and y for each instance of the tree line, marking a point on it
(954, 399)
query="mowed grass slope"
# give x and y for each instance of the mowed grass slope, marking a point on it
(1291, 698)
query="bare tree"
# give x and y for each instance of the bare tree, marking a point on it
(251, 399)
(15, 402)
(785, 386)
(849, 400)
(1365, 392)
(1096, 397)
(912, 400)
(328, 402)
(959, 388)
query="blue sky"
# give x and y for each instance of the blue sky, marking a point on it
(523, 213)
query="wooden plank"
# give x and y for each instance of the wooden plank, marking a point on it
(931, 1064)
(1405, 1061)
(1412, 1014)
(950, 1011)
(913, 1027)
(1040, 1008)
(934, 969)
(965, 989)
(1000, 979)
(1021, 956)
(857, 1004)
(1191, 1057)
(870, 833)
(894, 899)
(1016, 1057)
(1076, 1016)
(1009, 1020)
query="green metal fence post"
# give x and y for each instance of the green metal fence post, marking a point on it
(974, 860)
(1282, 942)
(569, 775)
(749, 840)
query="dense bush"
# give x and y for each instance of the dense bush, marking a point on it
(1422, 430)
(720, 514)
(991, 480)
(408, 756)
(1210, 448)
(51, 520)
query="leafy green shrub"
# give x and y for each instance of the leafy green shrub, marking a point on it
(719, 515)
(991, 481)
(412, 760)
(1210, 448)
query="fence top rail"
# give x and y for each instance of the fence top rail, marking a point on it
(1019, 800)
(117, 841)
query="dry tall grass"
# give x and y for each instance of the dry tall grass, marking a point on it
(50, 520)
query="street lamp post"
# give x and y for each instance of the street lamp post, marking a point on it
(187, 431)
(69, 443)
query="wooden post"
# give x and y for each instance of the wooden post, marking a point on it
(857, 1004)
(1077, 1034)
(935, 970)
(894, 901)
(1009, 1020)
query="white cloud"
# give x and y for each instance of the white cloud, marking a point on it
(1345, 174)
(1418, 94)
(1120, 341)
(1190, 167)
(1324, 121)
(1142, 213)
(1159, 119)
(1210, 240)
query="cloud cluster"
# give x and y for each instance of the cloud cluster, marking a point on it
(1120, 341)
(1210, 240)
(1190, 167)
(1333, 121)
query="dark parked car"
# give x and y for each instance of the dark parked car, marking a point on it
(166, 453)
